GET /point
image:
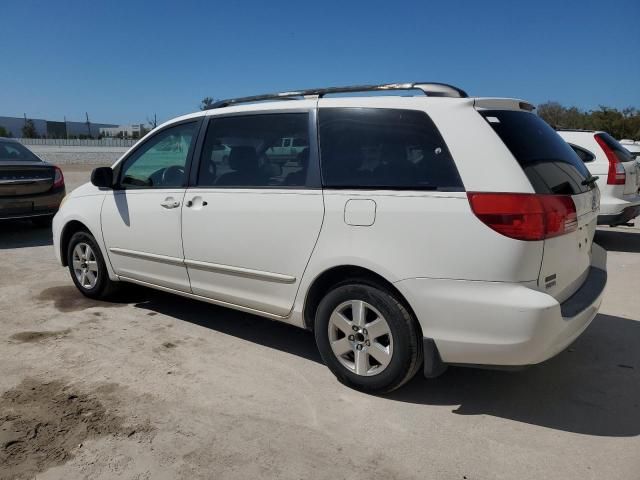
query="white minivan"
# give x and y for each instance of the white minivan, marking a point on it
(410, 231)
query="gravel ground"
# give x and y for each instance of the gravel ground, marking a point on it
(157, 386)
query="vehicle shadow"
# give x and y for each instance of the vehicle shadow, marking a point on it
(593, 388)
(617, 241)
(23, 233)
(255, 329)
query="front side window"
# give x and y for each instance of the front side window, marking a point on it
(161, 161)
(253, 151)
(379, 148)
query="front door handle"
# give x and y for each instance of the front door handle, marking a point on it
(170, 203)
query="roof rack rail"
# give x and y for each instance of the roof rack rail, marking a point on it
(430, 89)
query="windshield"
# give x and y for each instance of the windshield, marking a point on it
(14, 151)
(549, 162)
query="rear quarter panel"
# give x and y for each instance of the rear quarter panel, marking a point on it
(418, 234)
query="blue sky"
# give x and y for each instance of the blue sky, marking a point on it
(124, 61)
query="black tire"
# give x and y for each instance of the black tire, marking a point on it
(407, 355)
(104, 287)
(42, 221)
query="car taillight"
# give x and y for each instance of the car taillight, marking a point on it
(58, 179)
(617, 174)
(525, 216)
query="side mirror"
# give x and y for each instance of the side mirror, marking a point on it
(102, 177)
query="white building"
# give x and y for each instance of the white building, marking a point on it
(135, 130)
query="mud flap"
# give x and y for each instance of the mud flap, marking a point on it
(433, 365)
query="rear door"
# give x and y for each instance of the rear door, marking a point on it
(249, 226)
(553, 168)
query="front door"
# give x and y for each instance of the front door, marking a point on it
(141, 218)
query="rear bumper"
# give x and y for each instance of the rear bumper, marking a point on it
(626, 215)
(502, 324)
(615, 210)
(41, 205)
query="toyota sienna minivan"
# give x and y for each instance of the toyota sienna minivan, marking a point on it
(409, 232)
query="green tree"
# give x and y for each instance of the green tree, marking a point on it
(29, 129)
(552, 113)
(4, 132)
(207, 103)
(620, 124)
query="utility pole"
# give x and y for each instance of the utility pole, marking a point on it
(88, 124)
(66, 131)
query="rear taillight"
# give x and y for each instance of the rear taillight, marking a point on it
(58, 179)
(525, 216)
(617, 174)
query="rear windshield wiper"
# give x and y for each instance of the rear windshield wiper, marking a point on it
(590, 180)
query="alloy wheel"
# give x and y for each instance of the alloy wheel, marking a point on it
(85, 265)
(360, 338)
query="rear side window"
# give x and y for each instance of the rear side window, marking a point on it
(622, 153)
(548, 161)
(384, 149)
(254, 151)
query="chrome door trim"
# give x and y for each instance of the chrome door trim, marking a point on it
(147, 256)
(213, 267)
(239, 271)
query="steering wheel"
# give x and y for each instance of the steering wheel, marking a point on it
(172, 176)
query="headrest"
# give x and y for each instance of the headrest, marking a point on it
(243, 158)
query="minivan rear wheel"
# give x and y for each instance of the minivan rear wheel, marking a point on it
(87, 267)
(367, 338)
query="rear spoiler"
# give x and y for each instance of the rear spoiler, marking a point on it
(502, 104)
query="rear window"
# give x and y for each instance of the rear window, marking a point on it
(14, 151)
(547, 160)
(379, 148)
(622, 153)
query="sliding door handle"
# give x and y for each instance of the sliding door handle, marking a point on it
(196, 202)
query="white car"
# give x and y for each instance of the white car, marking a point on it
(633, 147)
(415, 232)
(617, 171)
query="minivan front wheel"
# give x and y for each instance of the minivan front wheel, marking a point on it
(87, 268)
(367, 338)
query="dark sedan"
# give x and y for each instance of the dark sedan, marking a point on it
(29, 187)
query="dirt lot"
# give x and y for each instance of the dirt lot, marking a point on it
(158, 386)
